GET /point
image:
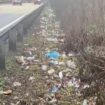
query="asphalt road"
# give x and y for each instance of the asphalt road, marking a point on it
(9, 13)
(5, 19)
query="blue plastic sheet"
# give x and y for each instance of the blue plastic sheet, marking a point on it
(53, 55)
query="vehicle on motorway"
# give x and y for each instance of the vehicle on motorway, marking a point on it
(17, 2)
(37, 2)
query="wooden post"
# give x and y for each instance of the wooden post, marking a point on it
(2, 56)
(20, 33)
(12, 40)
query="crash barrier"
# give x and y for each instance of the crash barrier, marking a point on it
(15, 31)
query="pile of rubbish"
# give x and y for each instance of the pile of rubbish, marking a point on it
(59, 70)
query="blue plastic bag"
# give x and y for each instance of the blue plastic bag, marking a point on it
(53, 55)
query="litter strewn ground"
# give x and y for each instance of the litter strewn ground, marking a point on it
(46, 75)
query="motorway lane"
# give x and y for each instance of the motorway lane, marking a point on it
(9, 13)
(7, 18)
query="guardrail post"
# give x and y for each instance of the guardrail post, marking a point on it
(2, 56)
(12, 40)
(20, 33)
(24, 27)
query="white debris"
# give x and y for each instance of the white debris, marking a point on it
(30, 58)
(15, 98)
(28, 52)
(27, 94)
(62, 40)
(15, 84)
(53, 101)
(51, 71)
(86, 86)
(20, 59)
(26, 44)
(61, 75)
(70, 54)
(52, 39)
(64, 55)
(27, 67)
(62, 63)
(7, 92)
(71, 64)
(54, 62)
(31, 78)
(70, 83)
(44, 67)
(85, 102)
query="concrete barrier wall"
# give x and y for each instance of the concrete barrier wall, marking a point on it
(15, 31)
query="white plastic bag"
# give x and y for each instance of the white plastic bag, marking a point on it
(61, 75)
(85, 102)
(44, 67)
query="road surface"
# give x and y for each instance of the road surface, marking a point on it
(9, 13)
